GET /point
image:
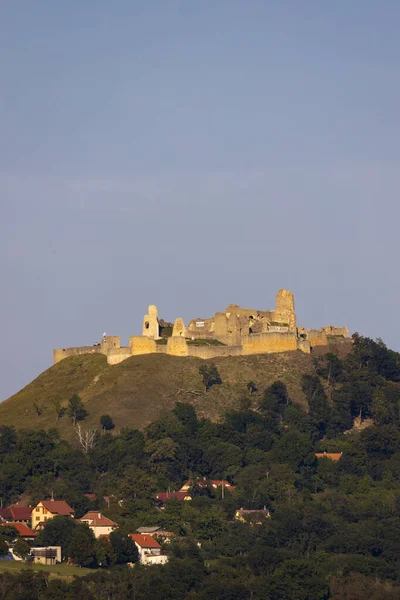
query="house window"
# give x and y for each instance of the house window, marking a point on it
(37, 509)
(37, 518)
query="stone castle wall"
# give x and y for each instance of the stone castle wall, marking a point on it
(336, 331)
(243, 331)
(206, 352)
(141, 345)
(61, 353)
(317, 337)
(267, 343)
(117, 355)
(111, 342)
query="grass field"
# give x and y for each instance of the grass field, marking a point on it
(60, 570)
(136, 391)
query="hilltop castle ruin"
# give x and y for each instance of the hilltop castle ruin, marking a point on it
(236, 331)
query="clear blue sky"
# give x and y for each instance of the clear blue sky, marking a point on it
(190, 154)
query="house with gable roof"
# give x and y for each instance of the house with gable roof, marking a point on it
(98, 523)
(17, 513)
(252, 517)
(23, 530)
(149, 549)
(48, 509)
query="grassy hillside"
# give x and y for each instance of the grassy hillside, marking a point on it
(136, 391)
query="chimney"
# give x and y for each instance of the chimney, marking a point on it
(99, 515)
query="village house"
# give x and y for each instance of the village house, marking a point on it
(98, 523)
(252, 517)
(149, 549)
(204, 483)
(17, 513)
(335, 456)
(158, 532)
(48, 509)
(23, 530)
(163, 497)
(49, 555)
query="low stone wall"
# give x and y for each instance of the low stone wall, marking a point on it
(61, 353)
(161, 348)
(257, 343)
(266, 343)
(117, 355)
(214, 351)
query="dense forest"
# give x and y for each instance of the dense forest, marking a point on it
(334, 527)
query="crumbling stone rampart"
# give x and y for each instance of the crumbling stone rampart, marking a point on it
(242, 331)
(317, 337)
(177, 346)
(141, 345)
(267, 343)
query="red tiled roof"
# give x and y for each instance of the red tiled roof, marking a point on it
(93, 497)
(164, 496)
(96, 519)
(19, 512)
(331, 455)
(58, 507)
(5, 514)
(22, 529)
(144, 541)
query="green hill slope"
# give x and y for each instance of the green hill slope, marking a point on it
(136, 391)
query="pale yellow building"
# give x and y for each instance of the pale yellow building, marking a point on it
(47, 509)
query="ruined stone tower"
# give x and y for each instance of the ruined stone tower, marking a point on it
(284, 312)
(150, 323)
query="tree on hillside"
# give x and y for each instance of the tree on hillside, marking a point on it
(76, 410)
(3, 546)
(124, 547)
(86, 437)
(9, 533)
(298, 579)
(318, 405)
(82, 548)
(22, 549)
(105, 555)
(275, 399)
(106, 422)
(137, 485)
(210, 376)
(58, 407)
(57, 532)
(8, 439)
(251, 386)
(38, 407)
(186, 414)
